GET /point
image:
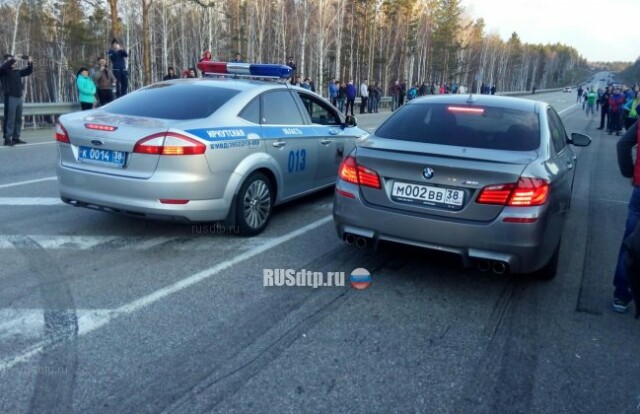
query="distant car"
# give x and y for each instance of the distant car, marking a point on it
(204, 150)
(486, 177)
(567, 89)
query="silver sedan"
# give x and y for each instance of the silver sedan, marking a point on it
(204, 149)
(486, 177)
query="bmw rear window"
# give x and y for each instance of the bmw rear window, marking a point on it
(179, 101)
(464, 126)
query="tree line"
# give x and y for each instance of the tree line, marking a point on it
(381, 40)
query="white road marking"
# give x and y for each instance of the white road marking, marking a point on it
(187, 242)
(29, 323)
(27, 145)
(39, 180)
(30, 201)
(93, 321)
(567, 109)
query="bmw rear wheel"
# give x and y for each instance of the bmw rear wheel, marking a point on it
(255, 202)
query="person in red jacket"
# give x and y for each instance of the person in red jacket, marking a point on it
(616, 101)
(622, 295)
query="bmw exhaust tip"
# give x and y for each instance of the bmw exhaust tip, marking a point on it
(350, 239)
(483, 265)
(499, 268)
(361, 242)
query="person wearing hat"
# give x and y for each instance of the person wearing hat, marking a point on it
(86, 89)
(117, 57)
(13, 88)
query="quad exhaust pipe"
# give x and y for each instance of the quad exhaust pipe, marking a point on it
(495, 266)
(359, 241)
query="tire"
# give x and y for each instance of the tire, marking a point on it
(254, 204)
(549, 271)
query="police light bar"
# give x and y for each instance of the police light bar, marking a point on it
(246, 69)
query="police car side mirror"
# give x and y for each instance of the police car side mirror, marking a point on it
(349, 121)
(579, 140)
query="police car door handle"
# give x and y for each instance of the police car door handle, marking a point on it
(279, 144)
(570, 165)
(326, 141)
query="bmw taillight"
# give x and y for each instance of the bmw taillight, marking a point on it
(527, 192)
(169, 143)
(351, 172)
(61, 134)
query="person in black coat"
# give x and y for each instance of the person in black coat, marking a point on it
(13, 89)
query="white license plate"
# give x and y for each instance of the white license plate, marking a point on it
(102, 156)
(426, 194)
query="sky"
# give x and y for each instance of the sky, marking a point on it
(600, 30)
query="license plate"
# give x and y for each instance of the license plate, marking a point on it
(427, 195)
(103, 156)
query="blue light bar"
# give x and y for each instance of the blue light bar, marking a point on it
(246, 69)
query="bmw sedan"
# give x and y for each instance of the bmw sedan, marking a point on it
(207, 149)
(486, 177)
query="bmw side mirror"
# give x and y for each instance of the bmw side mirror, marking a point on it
(579, 140)
(349, 122)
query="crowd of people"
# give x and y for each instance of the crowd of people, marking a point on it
(616, 104)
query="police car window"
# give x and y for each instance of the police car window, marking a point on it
(251, 112)
(319, 112)
(178, 101)
(280, 108)
(556, 129)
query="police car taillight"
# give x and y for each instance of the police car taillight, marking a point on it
(169, 143)
(246, 69)
(61, 134)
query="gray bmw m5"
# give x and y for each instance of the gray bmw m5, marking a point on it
(486, 177)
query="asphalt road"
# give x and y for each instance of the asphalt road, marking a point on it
(105, 314)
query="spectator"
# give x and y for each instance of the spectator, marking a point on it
(312, 85)
(192, 73)
(580, 90)
(615, 112)
(333, 92)
(631, 110)
(117, 56)
(86, 89)
(104, 80)
(533, 91)
(305, 84)
(413, 92)
(293, 66)
(237, 58)
(374, 97)
(13, 88)
(493, 90)
(403, 93)
(171, 74)
(604, 111)
(591, 102)
(395, 95)
(351, 97)
(424, 89)
(206, 56)
(630, 169)
(342, 96)
(364, 96)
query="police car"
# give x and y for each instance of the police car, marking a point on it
(225, 147)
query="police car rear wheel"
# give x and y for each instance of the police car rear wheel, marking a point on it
(254, 205)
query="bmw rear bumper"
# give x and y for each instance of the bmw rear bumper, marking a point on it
(524, 248)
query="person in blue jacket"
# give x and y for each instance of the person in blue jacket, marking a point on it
(351, 97)
(86, 89)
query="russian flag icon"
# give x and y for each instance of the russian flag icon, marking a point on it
(360, 278)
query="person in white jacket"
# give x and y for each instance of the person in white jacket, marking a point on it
(364, 96)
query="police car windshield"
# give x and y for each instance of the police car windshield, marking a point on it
(178, 101)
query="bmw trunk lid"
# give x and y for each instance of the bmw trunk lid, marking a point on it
(437, 180)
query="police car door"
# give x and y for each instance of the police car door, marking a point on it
(288, 140)
(332, 141)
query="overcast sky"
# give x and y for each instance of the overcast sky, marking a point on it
(600, 30)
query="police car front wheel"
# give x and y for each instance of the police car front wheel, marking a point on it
(255, 202)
